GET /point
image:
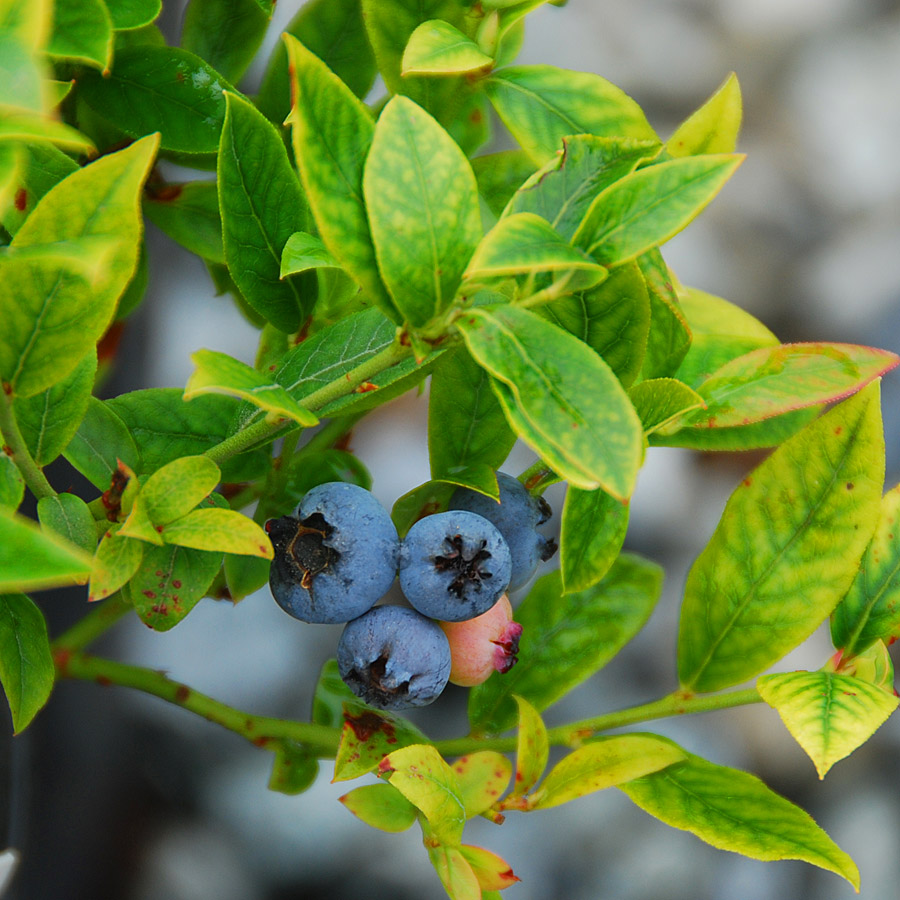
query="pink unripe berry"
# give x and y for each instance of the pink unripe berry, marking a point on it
(488, 643)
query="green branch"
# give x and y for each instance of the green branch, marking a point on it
(323, 741)
(261, 432)
(679, 703)
(17, 450)
(88, 628)
(320, 740)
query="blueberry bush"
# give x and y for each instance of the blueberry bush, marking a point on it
(380, 243)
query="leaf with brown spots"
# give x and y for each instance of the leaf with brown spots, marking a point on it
(171, 581)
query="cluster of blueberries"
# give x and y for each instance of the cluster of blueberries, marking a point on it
(338, 554)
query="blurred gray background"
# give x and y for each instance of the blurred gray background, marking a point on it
(121, 796)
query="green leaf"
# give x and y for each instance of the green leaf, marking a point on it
(768, 433)
(532, 748)
(332, 133)
(670, 336)
(26, 667)
(164, 89)
(170, 582)
(333, 352)
(714, 127)
(647, 207)
(130, 14)
(41, 166)
(11, 197)
(591, 535)
(735, 811)
(774, 380)
(382, 806)
(12, 485)
(567, 637)
(368, 736)
(829, 715)
(244, 575)
(165, 427)
(70, 518)
(55, 317)
(661, 401)
(28, 20)
(225, 33)
(116, 560)
(482, 777)
(562, 190)
(305, 251)
(32, 558)
(139, 525)
(24, 126)
(219, 529)
(456, 875)
(313, 467)
(438, 48)
(560, 397)
(262, 206)
(612, 318)
(22, 77)
(82, 32)
(134, 293)
(294, 769)
(189, 214)
(101, 440)
(871, 609)
(49, 420)
(499, 175)
(604, 763)
(424, 778)
(218, 373)
(330, 696)
(468, 437)
(334, 31)
(786, 549)
(541, 105)
(422, 203)
(175, 489)
(389, 26)
(720, 333)
(523, 243)
(424, 500)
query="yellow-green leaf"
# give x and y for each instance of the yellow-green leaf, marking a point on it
(786, 549)
(424, 778)
(482, 777)
(735, 811)
(871, 609)
(32, 558)
(604, 763)
(174, 490)
(436, 47)
(829, 715)
(116, 560)
(56, 316)
(218, 373)
(714, 127)
(532, 748)
(219, 529)
(382, 806)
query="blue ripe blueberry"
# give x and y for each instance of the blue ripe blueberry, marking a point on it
(335, 557)
(454, 566)
(394, 658)
(516, 517)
